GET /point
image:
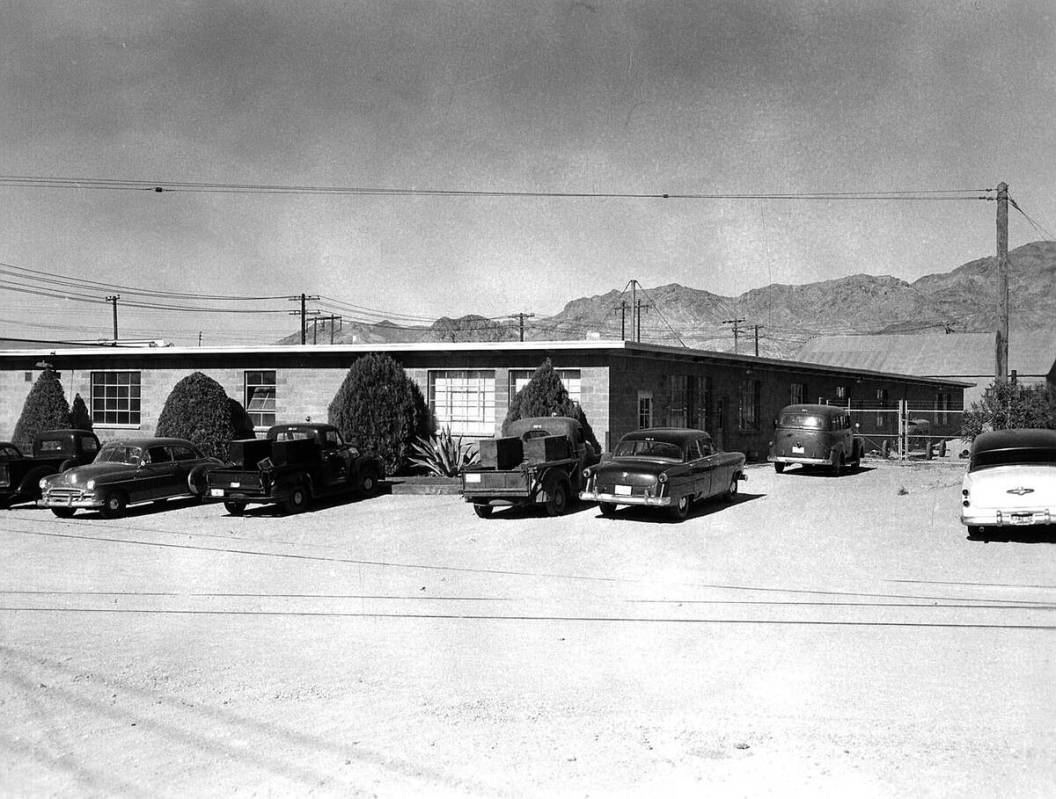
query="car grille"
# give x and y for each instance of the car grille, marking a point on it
(64, 495)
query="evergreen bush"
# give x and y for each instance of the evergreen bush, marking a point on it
(381, 409)
(45, 408)
(199, 410)
(546, 395)
(80, 419)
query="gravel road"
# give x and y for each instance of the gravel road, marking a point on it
(818, 637)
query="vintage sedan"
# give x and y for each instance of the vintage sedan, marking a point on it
(663, 467)
(815, 435)
(1010, 481)
(128, 472)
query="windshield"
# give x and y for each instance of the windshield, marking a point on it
(1011, 457)
(119, 453)
(804, 420)
(648, 448)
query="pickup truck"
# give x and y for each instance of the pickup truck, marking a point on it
(53, 451)
(540, 461)
(293, 465)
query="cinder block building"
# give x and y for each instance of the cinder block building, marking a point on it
(620, 385)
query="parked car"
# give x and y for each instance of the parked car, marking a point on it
(53, 451)
(815, 435)
(128, 472)
(291, 466)
(663, 467)
(1010, 481)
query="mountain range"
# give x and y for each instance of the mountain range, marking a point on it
(774, 320)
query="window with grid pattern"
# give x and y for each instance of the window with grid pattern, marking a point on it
(115, 398)
(260, 397)
(570, 378)
(463, 399)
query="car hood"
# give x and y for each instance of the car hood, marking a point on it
(1012, 487)
(79, 475)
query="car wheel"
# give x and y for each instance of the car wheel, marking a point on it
(235, 508)
(607, 508)
(680, 509)
(114, 505)
(557, 501)
(63, 513)
(196, 481)
(368, 484)
(731, 492)
(779, 467)
(483, 511)
(298, 500)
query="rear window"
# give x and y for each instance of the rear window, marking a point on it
(50, 445)
(1012, 457)
(806, 421)
(648, 448)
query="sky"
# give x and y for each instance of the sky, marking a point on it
(526, 99)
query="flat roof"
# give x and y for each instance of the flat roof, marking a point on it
(588, 345)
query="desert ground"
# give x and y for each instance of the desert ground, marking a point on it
(817, 637)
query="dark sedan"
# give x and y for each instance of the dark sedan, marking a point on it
(669, 467)
(128, 472)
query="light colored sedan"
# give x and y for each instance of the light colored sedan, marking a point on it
(1010, 482)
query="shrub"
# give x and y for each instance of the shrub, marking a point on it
(444, 455)
(381, 409)
(45, 408)
(80, 419)
(546, 395)
(199, 410)
(1007, 406)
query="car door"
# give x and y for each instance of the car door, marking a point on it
(338, 458)
(701, 467)
(152, 476)
(183, 460)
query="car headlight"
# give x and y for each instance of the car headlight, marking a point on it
(43, 483)
(90, 485)
(662, 477)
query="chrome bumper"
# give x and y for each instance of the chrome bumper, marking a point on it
(1023, 518)
(625, 499)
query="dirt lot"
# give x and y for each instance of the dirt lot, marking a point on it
(818, 637)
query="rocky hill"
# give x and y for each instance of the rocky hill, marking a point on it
(962, 300)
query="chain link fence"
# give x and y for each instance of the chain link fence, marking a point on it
(905, 431)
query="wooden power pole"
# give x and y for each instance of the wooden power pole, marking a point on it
(1001, 365)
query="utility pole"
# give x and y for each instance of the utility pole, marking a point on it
(324, 319)
(520, 321)
(623, 319)
(113, 299)
(303, 298)
(639, 306)
(736, 330)
(756, 328)
(1001, 365)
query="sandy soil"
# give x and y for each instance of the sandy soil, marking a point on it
(818, 637)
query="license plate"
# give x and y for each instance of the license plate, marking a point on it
(472, 477)
(1022, 518)
(797, 450)
(235, 484)
(216, 492)
(623, 491)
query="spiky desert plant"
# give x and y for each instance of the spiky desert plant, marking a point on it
(444, 454)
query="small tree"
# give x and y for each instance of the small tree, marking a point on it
(80, 419)
(381, 409)
(199, 410)
(546, 395)
(45, 408)
(1006, 406)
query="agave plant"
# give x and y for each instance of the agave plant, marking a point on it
(443, 454)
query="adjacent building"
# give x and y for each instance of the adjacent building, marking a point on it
(620, 385)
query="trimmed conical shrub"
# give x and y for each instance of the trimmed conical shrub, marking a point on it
(80, 419)
(45, 408)
(381, 409)
(546, 395)
(199, 410)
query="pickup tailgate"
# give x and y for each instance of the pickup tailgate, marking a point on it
(236, 482)
(496, 483)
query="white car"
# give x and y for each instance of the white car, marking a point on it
(1010, 482)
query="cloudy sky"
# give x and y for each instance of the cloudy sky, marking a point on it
(543, 98)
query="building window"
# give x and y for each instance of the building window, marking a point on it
(881, 402)
(751, 392)
(678, 408)
(798, 394)
(463, 399)
(841, 392)
(703, 402)
(260, 397)
(942, 407)
(115, 398)
(645, 409)
(570, 379)
(29, 377)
